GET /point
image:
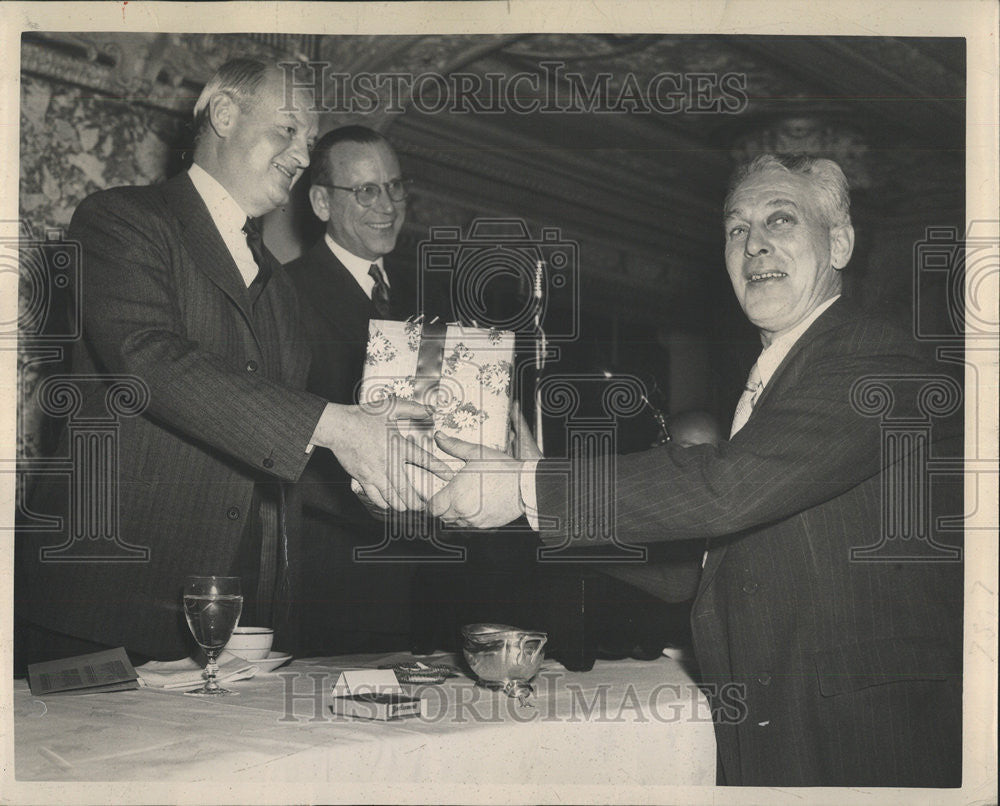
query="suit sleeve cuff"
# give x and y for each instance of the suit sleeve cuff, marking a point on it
(529, 495)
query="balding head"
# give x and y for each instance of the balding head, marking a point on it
(252, 137)
(694, 428)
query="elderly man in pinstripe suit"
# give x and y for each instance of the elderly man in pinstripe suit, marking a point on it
(847, 670)
(179, 293)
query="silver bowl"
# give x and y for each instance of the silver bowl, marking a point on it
(504, 658)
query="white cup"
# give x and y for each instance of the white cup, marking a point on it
(251, 643)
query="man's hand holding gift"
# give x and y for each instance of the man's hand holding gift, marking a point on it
(486, 492)
(370, 448)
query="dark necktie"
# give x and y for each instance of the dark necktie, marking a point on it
(255, 240)
(380, 293)
(265, 525)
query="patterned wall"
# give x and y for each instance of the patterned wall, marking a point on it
(73, 143)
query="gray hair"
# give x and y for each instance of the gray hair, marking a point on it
(239, 78)
(831, 185)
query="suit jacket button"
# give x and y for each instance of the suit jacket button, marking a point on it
(251, 365)
(750, 587)
(233, 513)
(764, 679)
(268, 462)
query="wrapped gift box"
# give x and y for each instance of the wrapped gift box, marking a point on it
(463, 373)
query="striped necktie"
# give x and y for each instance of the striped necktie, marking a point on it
(748, 399)
(380, 293)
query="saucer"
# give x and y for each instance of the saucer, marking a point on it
(271, 662)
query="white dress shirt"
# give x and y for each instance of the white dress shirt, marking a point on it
(357, 266)
(767, 363)
(229, 219)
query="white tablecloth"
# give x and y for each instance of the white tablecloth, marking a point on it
(625, 723)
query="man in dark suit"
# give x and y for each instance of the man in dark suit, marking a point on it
(671, 571)
(825, 663)
(647, 606)
(354, 605)
(343, 281)
(180, 298)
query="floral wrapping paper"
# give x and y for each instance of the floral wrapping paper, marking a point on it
(472, 397)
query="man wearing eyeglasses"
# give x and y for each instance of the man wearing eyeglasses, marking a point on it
(343, 281)
(183, 301)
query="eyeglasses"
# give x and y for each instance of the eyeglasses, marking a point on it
(367, 194)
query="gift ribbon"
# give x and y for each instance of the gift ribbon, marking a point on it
(430, 362)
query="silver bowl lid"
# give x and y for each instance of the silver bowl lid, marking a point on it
(487, 629)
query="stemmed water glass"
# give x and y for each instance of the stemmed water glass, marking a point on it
(212, 607)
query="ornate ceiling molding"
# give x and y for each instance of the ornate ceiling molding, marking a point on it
(812, 136)
(639, 192)
(594, 191)
(382, 56)
(166, 71)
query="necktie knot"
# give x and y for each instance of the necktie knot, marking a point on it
(380, 291)
(751, 391)
(254, 233)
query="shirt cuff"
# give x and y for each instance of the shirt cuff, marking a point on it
(529, 494)
(309, 448)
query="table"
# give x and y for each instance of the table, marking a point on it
(624, 723)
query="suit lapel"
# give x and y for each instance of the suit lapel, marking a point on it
(403, 295)
(342, 297)
(201, 238)
(831, 317)
(337, 294)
